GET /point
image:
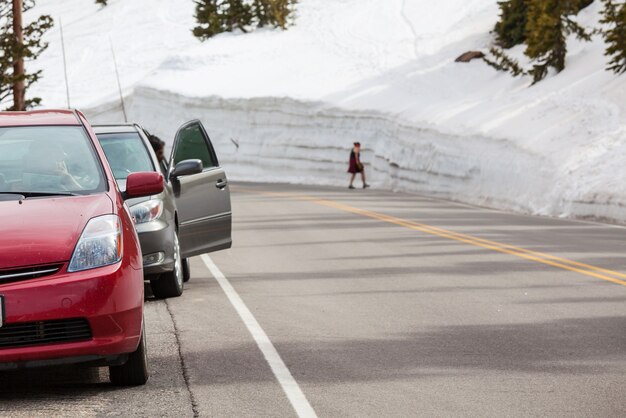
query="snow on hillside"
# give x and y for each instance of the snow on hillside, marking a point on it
(380, 71)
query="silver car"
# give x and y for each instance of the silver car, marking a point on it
(193, 214)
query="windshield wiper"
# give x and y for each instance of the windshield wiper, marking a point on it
(41, 194)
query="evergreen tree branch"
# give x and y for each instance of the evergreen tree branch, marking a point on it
(614, 16)
(503, 62)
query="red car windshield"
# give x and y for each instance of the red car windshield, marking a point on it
(48, 160)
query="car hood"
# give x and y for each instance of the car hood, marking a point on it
(45, 230)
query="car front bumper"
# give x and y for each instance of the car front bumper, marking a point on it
(157, 237)
(109, 298)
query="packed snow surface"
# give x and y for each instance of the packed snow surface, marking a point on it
(378, 71)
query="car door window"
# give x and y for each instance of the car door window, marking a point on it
(193, 144)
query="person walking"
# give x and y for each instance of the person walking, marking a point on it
(356, 166)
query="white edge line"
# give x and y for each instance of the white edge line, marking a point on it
(289, 385)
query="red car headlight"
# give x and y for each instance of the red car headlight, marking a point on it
(99, 245)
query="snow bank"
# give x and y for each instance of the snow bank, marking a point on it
(382, 72)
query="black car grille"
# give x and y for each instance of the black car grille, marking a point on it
(26, 273)
(44, 332)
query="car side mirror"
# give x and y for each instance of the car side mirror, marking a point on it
(143, 183)
(186, 168)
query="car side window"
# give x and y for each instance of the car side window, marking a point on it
(192, 144)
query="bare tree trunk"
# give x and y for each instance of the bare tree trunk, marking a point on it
(18, 66)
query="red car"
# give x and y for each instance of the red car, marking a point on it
(71, 275)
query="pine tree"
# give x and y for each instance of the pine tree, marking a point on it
(10, 51)
(217, 16)
(511, 28)
(262, 12)
(614, 15)
(274, 13)
(236, 15)
(283, 13)
(208, 18)
(549, 24)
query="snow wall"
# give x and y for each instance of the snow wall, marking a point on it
(295, 100)
(287, 141)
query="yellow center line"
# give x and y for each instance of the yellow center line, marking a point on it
(543, 258)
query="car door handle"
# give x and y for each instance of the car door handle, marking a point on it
(220, 184)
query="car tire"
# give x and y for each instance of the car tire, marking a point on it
(170, 284)
(186, 270)
(135, 371)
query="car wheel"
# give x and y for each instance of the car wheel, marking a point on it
(170, 284)
(135, 371)
(186, 270)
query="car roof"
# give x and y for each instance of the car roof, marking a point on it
(40, 118)
(114, 129)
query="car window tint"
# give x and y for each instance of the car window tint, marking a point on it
(126, 153)
(48, 159)
(193, 145)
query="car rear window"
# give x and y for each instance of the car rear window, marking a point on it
(48, 159)
(126, 153)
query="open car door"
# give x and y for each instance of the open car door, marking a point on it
(201, 191)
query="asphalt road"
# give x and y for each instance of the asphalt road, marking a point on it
(377, 304)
